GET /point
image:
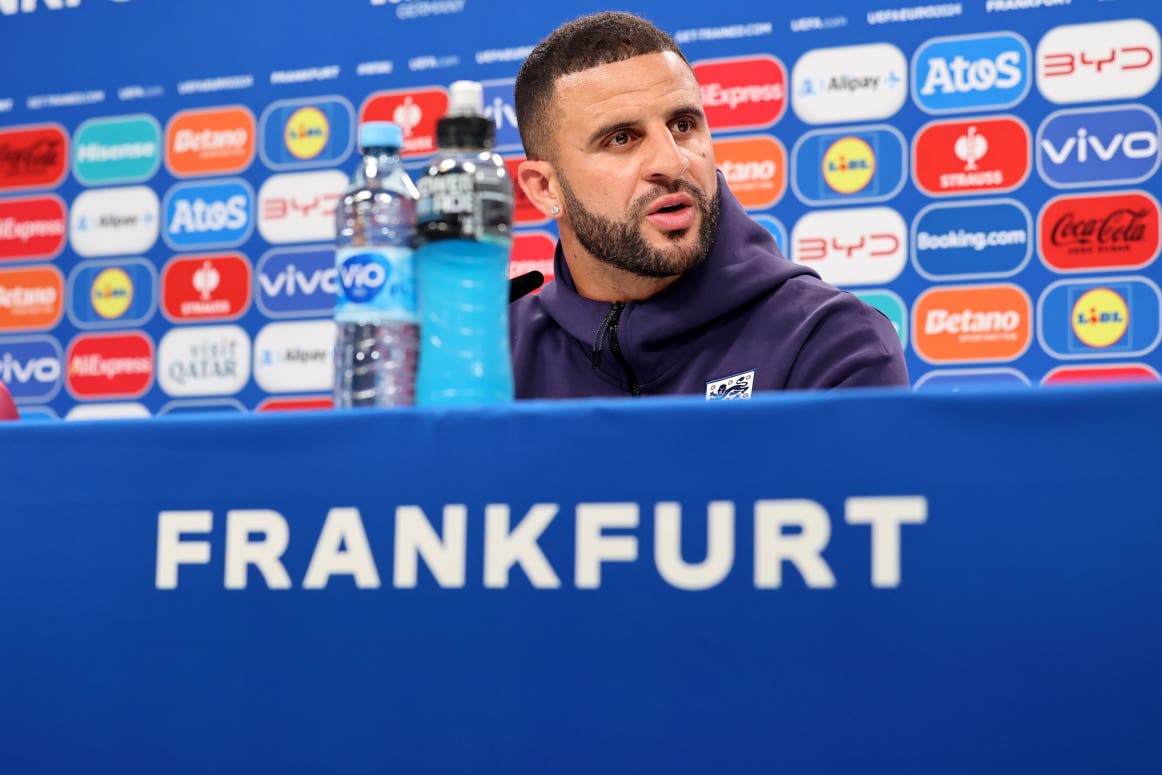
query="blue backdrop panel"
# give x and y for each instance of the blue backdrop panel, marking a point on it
(1023, 635)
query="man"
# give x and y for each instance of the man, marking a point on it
(663, 284)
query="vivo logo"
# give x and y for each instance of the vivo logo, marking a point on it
(13, 7)
(31, 368)
(297, 282)
(1098, 146)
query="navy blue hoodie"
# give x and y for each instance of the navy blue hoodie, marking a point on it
(743, 320)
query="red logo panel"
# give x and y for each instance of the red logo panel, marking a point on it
(295, 404)
(1099, 231)
(110, 365)
(32, 228)
(743, 92)
(416, 111)
(987, 155)
(211, 287)
(33, 156)
(532, 251)
(1078, 375)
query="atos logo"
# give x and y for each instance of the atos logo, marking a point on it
(965, 240)
(31, 228)
(499, 106)
(1115, 60)
(297, 282)
(213, 287)
(109, 365)
(971, 72)
(755, 168)
(859, 164)
(892, 307)
(218, 141)
(849, 83)
(303, 133)
(860, 246)
(126, 149)
(415, 110)
(1089, 374)
(972, 324)
(31, 367)
(1098, 146)
(300, 206)
(1105, 317)
(214, 214)
(33, 156)
(970, 380)
(112, 294)
(742, 92)
(1117, 231)
(988, 155)
(533, 251)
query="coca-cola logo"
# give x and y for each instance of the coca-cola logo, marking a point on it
(32, 157)
(1100, 231)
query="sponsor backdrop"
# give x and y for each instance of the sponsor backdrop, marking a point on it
(983, 172)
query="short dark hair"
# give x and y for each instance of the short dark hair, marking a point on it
(590, 41)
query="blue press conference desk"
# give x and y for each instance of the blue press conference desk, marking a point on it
(852, 582)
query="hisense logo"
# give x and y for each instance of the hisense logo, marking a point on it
(13, 7)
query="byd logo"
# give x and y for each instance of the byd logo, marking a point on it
(861, 246)
(1114, 60)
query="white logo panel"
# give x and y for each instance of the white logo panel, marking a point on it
(203, 361)
(120, 411)
(300, 206)
(852, 247)
(114, 221)
(849, 83)
(295, 357)
(1098, 62)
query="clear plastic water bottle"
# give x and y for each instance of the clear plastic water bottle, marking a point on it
(376, 310)
(463, 239)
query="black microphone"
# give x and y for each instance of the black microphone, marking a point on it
(524, 284)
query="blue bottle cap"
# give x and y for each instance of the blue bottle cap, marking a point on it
(380, 134)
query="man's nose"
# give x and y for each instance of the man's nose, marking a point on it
(666, 158)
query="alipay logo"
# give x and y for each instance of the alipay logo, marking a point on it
(971, 72)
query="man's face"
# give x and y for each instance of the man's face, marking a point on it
(636, 164)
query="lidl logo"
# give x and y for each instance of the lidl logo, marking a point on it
(986, 155)
(109, 365)
(963, 73)
(415, 110)
(859, 164)
(112, 294)
(524, 212)
(33, 156)
(1091, 232)
(852, 247)
(970, 240)
(500, 107)
(303, 133)
(31, 298)
(1114, 60)
(215, 141)
(203, 361)
(1090, 374)
(755, 168)
(124, 149)
(295, 357)
(532, 251)
(114, 221)
(300, 206)
(31, 228)
(849, 83)
(31, 367)
(213, 214)
(742, 92)
(206, 287)
(972, 324)
(1101, 317)
(1097, 146)
(892, 307)
(297, 282)
(970, 380)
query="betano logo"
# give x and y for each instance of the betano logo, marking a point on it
(755, 168)
(33, 156)
(970, 72)
(1114, 60)
(852, 247)
(415, 110)
(31, 298)
(109, 365)
(117, 293)
(1100, 317)
(202, 288)
(31, 228)
(124, 149)
(742, 92)
(215, 141)
(1085, 233)
(972, 324)
(990, 155)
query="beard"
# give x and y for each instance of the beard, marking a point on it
(621, 244)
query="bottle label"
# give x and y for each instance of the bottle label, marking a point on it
(377, 282)
(457, 204)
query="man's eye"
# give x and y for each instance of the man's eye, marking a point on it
(684, 125)
(621, 138)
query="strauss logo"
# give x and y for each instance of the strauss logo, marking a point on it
(206, 280)
(970, 147)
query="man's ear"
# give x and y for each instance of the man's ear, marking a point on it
(539, 181)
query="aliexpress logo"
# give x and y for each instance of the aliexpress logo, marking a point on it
(742, 92)
(32, 227)
(1099, 231)
(31, 298)
(218, 141)
(415, 110)
(33, 156)
(110, 365)
(972, 324)
(755, 169)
